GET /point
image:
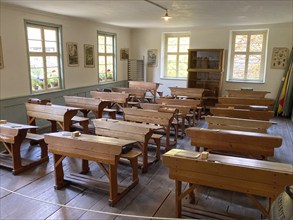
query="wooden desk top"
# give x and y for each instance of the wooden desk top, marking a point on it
(130, 123)
(237, 162)
(10, 131)
(51, 109)
(87, 147)
(16, 126)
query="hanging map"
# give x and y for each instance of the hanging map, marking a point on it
(279, 57)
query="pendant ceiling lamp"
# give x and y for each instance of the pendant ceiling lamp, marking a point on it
(166, 17)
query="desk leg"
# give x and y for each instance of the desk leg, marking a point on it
(113, 184)
(145, 157)
(85, 166)
(53, 126)
(191, 194)
(167, 138)
(15, 150)
(59, 174)
(183, 126)
(178, 199)
(16, 159)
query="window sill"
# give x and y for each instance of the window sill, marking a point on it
(106, 82)
(174, 78)
(245, 81)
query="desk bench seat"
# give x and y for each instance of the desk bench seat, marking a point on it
(81, 121)
(111, 112)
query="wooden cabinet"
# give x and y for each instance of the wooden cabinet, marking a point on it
(205, 70)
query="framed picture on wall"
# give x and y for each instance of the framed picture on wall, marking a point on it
(72, 54)
(124, 54)
(152, 57)
(89, 60)
(1, 55)
(279, 57)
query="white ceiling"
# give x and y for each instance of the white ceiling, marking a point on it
(185, 13)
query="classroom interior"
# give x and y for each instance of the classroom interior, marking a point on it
(151, 192)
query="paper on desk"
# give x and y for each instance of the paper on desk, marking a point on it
(188, 154)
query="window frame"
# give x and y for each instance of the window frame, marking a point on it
(263, 53)
(59, 54)
(114, 54)
(178, 35)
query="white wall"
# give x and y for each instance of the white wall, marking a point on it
(280, 35)
(14, 78)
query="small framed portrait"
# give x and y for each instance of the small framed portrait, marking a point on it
(89, 58)
(152, 57)
(279, 57)
(72, 54)
(124, 54)
(1, 55)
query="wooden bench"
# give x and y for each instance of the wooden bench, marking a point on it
(163, 118)
(246, 93)
(249, 176)
(191, 93)
(182, 112)
(195, 106)
(87, 105)
(242, 113)
(117, 99)
(102, 150)
(244, 143)
(151, 87)
(247, 107)
(136, 95)
(64, 116)
(238, 124)
(12, 136)
(240, 101)
(141, 133)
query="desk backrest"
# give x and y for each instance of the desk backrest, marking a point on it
(38, 101)
(238, 124)
(246, 101)
(49, 112)
(149, 86)
(163, 117)
(82, 102)
(242, 113)
(186, 102)
(241, 142)
(150, 106)
(246, 93)
(159, 107)
(194, 93)
(136, 93)
(249, 107)
(117, 97)
(120, 129)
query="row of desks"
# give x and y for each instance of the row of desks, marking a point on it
(106, 151)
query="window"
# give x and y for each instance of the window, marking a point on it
(247, 56)
(44, 52)
(106, 57)
(176, 55)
